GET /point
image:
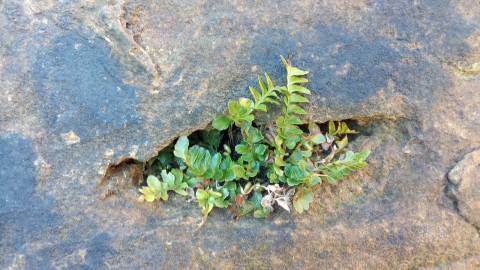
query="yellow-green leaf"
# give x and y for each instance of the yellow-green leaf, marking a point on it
(302, 200)
(221, 123)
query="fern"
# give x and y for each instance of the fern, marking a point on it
(270, 165)
(342, 167)
(267, 95)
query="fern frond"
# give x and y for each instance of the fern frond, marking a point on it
(294, 90)
(340, 168)
(267, 94)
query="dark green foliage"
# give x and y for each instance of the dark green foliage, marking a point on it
(273, 164)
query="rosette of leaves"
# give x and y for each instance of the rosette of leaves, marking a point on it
(171, 181)
(203, 164)
(252, 152)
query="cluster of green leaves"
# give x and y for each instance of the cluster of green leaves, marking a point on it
(272, 164)
(171, 181)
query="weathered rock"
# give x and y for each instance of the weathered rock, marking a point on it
(465, 188)
(85, 84)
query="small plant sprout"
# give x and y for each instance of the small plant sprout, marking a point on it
(250, 167)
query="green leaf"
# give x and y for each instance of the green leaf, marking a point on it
(293, 120)
(262, 86)
(344, 166)
(201, 195)
(154, 190)
(271, 100)
(172, 181)
(267, 94)
(215, 171)
(298, 89)
(181, 190)
(221, 123)
(278, 171)
(246, 104)
(313, 128)
(215, 194)
(148, 194)
(207, 199)
(168, 178)
(332, 130)
(153, 183)
(293, 108)
(291, 141)
(227, 168)
(295, 156)
(293, 71)
(221, 203)
(178, 176)
(295, 175)
(255, 94)
(224, 192)
(227, 149)
(261, 107)
(198, 160)
(342, 143)
(297, 80)
(239, 171)
(284, 62)
(362, 156)
(260, 149)
(163, 194)
(302, 200)
(297, 98)
(229, 189)
(240, 111)
(193, 181)
(261, 213)
(181, 147)
(241, 149)
(234, 107)
(253, 135)
(269, 81)
(318, 138)
(343, 129)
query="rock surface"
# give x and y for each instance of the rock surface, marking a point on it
(465, 187)
(86, 84)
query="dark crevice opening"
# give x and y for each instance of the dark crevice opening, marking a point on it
(138, 170)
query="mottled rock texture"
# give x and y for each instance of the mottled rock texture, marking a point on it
(465, 187)
(86, 84)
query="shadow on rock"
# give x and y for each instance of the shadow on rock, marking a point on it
(80, 83)
(31, 230)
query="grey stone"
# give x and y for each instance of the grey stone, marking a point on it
(466, 179)
(81, 85)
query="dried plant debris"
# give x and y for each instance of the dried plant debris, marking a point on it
(251, 168)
